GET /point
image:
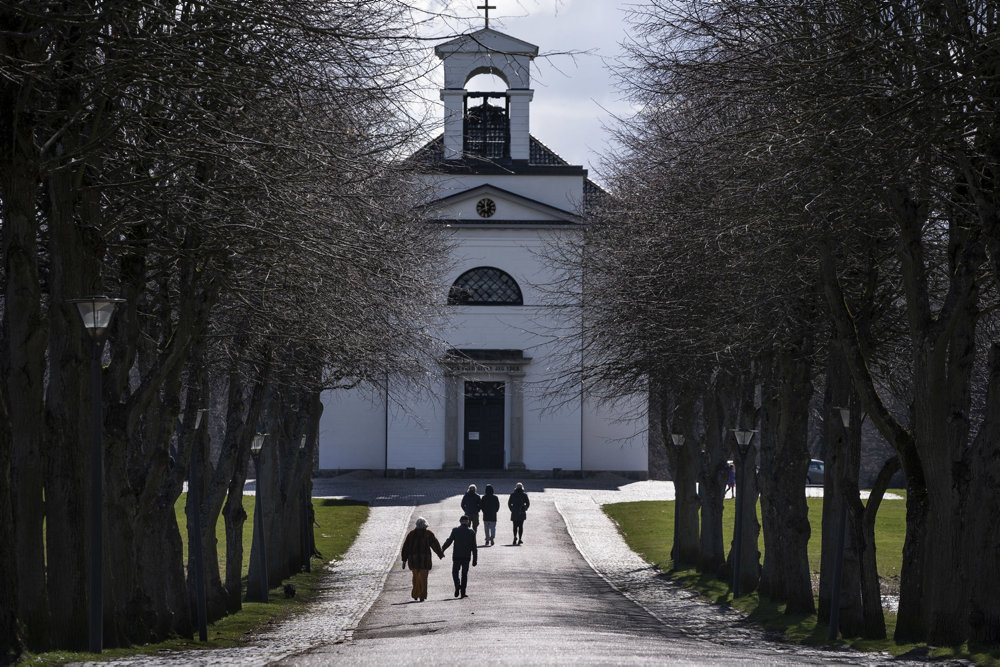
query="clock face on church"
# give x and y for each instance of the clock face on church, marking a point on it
(485, 207)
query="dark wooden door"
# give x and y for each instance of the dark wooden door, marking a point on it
(484, 425)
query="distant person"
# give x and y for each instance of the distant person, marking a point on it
(518, 504)
(471, 503)
(491, 505)
(465, 549)
(731, 482)
(417, 549)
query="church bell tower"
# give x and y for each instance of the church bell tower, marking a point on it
(486, 125)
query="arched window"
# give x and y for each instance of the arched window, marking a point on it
(485, 286)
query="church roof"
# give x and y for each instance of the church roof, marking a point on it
(487, 40)
(542, 161)
(541, 157)
(557, 215)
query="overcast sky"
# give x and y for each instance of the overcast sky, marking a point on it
(575, 95)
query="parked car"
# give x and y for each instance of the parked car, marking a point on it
(815, 474)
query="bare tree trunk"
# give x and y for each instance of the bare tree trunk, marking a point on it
(784, 466)
(296, 485)
(684, 468)
(750, 570)
(67, 417)
(242, 418)
(23, 365)
(837, 389)
(266, 504)
(161, 576)
(984, 618)
(851, 603)
(984, 502)
(72, 274)
(235, 516)
(713, 475)
(842, 510)
(22, 356)
(871, 592)
(11, 642)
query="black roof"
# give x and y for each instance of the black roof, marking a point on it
(542, 160)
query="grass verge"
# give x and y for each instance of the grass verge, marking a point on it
(339, 522)
(648, 528)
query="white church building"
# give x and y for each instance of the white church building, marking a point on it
(506, 198)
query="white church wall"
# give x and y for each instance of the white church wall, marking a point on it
(615, 435)
(562, 192)
(352, 430)
(507, 209)
(518, 252)
(416, 426)
(552, 436)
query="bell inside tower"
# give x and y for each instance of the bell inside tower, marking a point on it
(487, 126)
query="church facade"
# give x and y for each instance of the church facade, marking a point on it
(504, 398)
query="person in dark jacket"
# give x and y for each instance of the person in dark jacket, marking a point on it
(417, 549)
(471, 504)
(518, 504)
(464, 540)
(491, 505)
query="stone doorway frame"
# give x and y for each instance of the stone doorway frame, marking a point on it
(491, 365)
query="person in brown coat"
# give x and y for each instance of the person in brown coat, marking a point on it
(417, 549)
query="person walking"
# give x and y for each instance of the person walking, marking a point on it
(464, 540)
(471, 504)
(518, 504)
(417, 549)
(731, 481)
(491, 505)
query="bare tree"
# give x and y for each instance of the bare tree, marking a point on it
(228, 169)
(827, 127)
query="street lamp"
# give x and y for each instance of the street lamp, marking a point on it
(258, 519)
(306, 501)
(838, 560)
(96, 312)
(678, 440)
(197, 562)
(743, 439)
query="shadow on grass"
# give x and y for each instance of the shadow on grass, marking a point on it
(338, 502)
(798, 628)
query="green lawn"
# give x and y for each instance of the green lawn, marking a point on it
(331, 512)
(648, 528)
(338, 524)
(651, 531)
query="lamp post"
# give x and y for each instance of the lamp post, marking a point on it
(678, 440)
(96, 313)
(838, 560)
(197, 562)
(306, 523)
(743, 439)
(258, 519)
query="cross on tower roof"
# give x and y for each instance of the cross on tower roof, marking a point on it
(487, 7)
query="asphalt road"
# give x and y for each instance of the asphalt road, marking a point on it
(540, 603)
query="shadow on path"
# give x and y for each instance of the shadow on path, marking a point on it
(379, 491)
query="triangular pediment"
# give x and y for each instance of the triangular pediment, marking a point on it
(490, 205)
(486, 40)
